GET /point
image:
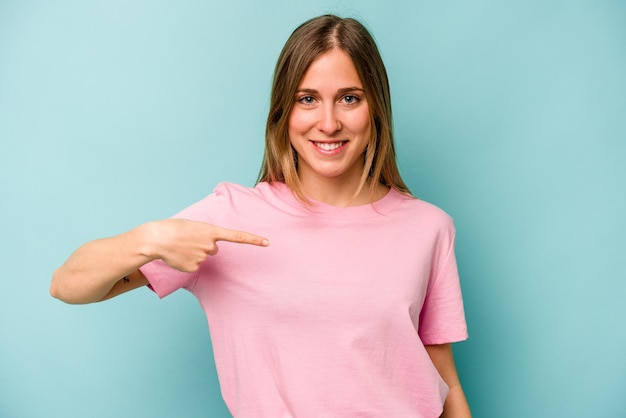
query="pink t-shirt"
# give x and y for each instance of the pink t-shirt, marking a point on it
(331, 319)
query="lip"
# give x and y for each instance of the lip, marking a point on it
(329, 152)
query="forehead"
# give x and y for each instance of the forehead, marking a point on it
(331, 69)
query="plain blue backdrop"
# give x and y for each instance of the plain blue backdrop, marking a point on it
(509, 115)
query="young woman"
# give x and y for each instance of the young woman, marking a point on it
(352, 309)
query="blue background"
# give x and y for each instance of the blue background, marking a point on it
(509, 115)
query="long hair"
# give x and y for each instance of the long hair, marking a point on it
(310, 40)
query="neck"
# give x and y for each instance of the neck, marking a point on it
(341, 193)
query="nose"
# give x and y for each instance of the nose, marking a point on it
(328, 122)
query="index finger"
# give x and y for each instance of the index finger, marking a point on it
(241, 237)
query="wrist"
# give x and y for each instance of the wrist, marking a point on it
(146, 240)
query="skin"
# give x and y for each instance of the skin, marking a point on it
(331, 110)
(329, 127)
(104, 268)
(456, 405)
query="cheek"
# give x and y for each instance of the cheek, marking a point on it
(361, 123)
(299, 122)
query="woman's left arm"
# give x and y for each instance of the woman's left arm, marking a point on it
(456, 405)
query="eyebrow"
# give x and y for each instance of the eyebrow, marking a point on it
(340, 91)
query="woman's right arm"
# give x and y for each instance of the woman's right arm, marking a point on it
(104, 268)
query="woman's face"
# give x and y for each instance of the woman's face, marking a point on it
(329, 125)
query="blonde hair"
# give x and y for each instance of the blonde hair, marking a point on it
(310, 40)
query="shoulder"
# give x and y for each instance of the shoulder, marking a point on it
(244, 201)
(260, 192)
(223, 197)
(227, 195)
(424, 212)
(226, 188)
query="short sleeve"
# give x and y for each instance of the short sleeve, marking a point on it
(442, 319)
(164, 280)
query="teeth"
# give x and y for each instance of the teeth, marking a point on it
(329, 146)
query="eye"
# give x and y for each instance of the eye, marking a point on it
(306, 100)
(351, 99)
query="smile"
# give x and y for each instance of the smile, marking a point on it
(329, 146)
